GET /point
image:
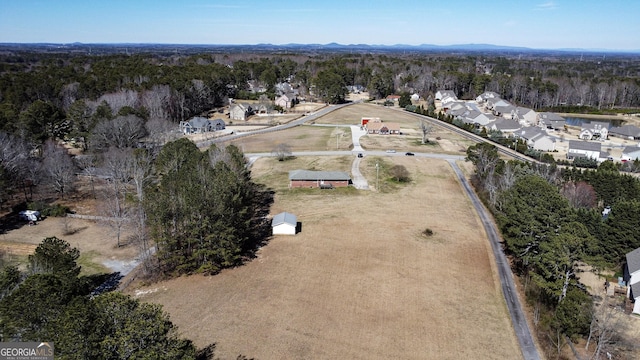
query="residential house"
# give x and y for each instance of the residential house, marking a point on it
(630, 132)
(383, 128)
(536, 139)
(503, 110)
(240, 111)
(256, 87)
(318, 179)
(261, 108)
(477, 117)
(365, 120)
(587, 149)
(284, 223)
(547, 120)
(284, 88)
(441, 94)
(482, 98)
(631, 276)
(491, 104)
(450, 103)
(594, 130)
(506, 126)
(393, 98)
(199, 125)
(286, 100)
(630, 153)
(525, 116)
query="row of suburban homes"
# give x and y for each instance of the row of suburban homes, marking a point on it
(541, 130)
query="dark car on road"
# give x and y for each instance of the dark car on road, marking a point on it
(409, 154)
(360, 155)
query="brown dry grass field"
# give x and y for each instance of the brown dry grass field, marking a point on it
(306, 138)
(360, 281)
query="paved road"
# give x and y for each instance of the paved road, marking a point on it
(518, 319)
(299, 121)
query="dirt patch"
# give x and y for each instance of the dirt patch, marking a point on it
(89, 237)
(359, 281)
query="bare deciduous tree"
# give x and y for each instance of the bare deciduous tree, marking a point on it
(580, 194)
(425, 128)
(121, 132)
(87, 163)
(282, 151)
(58, 168)
(120, 99)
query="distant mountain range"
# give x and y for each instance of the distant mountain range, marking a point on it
(333, 47)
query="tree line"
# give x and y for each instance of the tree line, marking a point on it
(551, 220)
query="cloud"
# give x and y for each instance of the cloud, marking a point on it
(549, 5)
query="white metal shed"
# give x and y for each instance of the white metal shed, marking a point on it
(284, 224)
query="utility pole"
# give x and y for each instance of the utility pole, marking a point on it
(377, 172)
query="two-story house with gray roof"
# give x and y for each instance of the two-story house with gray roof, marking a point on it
(594, 130)
(587, 149)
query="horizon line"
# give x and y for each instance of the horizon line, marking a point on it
(479, 45)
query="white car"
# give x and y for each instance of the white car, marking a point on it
(391, 151)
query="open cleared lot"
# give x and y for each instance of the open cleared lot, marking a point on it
(305, 138)
(359, 281)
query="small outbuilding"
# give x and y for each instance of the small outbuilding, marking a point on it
(284, 224)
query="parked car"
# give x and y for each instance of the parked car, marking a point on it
(391, 151)
(360, 155)
(32, 216)
(409, 154)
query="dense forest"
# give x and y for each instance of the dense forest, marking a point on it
(120, 111)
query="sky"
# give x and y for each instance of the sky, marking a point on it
(539, 24)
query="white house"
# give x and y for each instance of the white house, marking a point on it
(630, 153)
(199, 125)
(595, 130)
(284, 224)
(503, 110)
(537, 139)
(478, 118)
(551, 121)
(482, 98)
(285, 100)
(632, 278)
(588, 149)
(441, 94)
(240, 111)
(525, 116)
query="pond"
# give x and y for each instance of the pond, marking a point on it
(578, 121)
